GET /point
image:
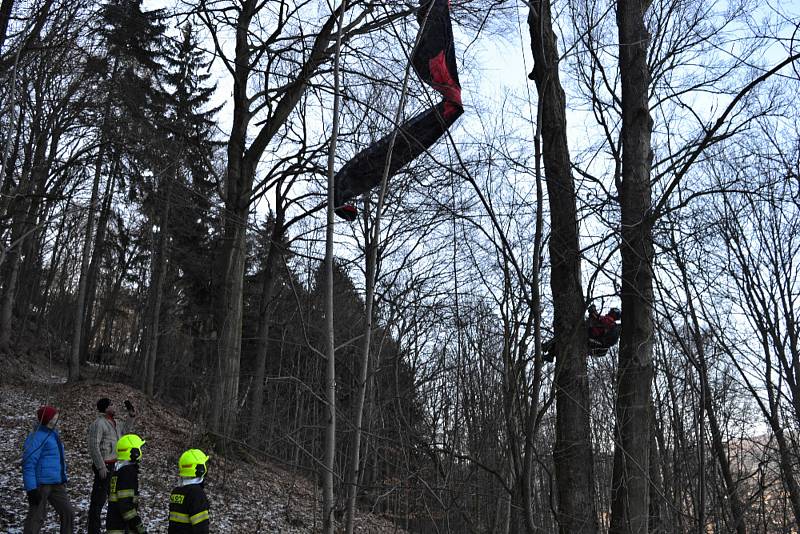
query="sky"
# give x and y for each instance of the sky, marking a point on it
(493, 72)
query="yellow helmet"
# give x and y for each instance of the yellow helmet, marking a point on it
(192, 464)
(129, 447)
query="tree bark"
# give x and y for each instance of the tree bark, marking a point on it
(94, 266)
(238, 185)
(20, 231)
(241, 166)
(264, 316)
(572, 453)
(371, 236)
(737, 519)
(158, 278)
(5, 16)
(74, 364)
(230, 312)
(630, 481)
(328, 495)
(55, 260)
(10, 155)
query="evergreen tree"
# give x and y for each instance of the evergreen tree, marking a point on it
(185, 165)
(129, 101)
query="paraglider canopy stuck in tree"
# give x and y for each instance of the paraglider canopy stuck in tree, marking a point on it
(435, 61)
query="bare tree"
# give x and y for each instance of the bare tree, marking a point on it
(273, 104)
(763, 249)
(695, 350)
(630, 511)
(573, 447)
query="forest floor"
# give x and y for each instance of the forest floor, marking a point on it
(246, 496)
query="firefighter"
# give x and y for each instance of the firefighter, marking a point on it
(188, 504)
(123, 497)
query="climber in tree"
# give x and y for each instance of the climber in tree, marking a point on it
(602, 332)
(434, 60)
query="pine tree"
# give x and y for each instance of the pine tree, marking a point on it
(188, 150)
(128, 104)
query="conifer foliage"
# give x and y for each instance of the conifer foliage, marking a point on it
(163, 221)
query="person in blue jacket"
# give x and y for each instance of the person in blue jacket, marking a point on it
(44, 472)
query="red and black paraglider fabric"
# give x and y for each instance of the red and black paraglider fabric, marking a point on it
(435, 61)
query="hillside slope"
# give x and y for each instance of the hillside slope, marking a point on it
(245, 497)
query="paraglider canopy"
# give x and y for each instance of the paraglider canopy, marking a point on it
(435, 61)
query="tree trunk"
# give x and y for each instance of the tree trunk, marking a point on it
(328, 496)
(9, 163)
(158, 278)
(36, 222)
(21, 229)
(5, 16)
(229, 318)
(55, 260)
(371, 235)
(74, 364)
(239, 182)
(7, 311)
(573, 448)
(737, 517)
(94, 266)
(31, 268)
(103, 319)
(240, 174)
(787, 462)
(14, 264)
(657, 523)
(630, 509)
(111, 300)
(264, 316)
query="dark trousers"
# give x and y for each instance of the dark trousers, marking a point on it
(98, 500)
(56, 495)
(116, 524)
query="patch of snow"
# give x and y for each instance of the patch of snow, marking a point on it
(245, 497)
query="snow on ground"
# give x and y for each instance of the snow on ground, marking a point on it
(245, 497)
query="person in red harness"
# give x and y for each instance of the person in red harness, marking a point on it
(603, 333)
(603, 330)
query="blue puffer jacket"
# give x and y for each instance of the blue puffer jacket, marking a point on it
(43, 459)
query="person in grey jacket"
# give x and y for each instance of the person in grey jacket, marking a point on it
(104, 432)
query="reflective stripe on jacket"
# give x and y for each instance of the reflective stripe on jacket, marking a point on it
(188, 510)
(123, 500)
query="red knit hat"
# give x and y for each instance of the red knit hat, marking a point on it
(45, 414)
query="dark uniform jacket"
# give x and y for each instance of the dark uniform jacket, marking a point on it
(123, 501)
(188, 510)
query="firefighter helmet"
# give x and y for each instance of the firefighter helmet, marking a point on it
(192, 464)
(129, 447)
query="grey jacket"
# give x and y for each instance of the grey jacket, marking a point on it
(103, 436)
